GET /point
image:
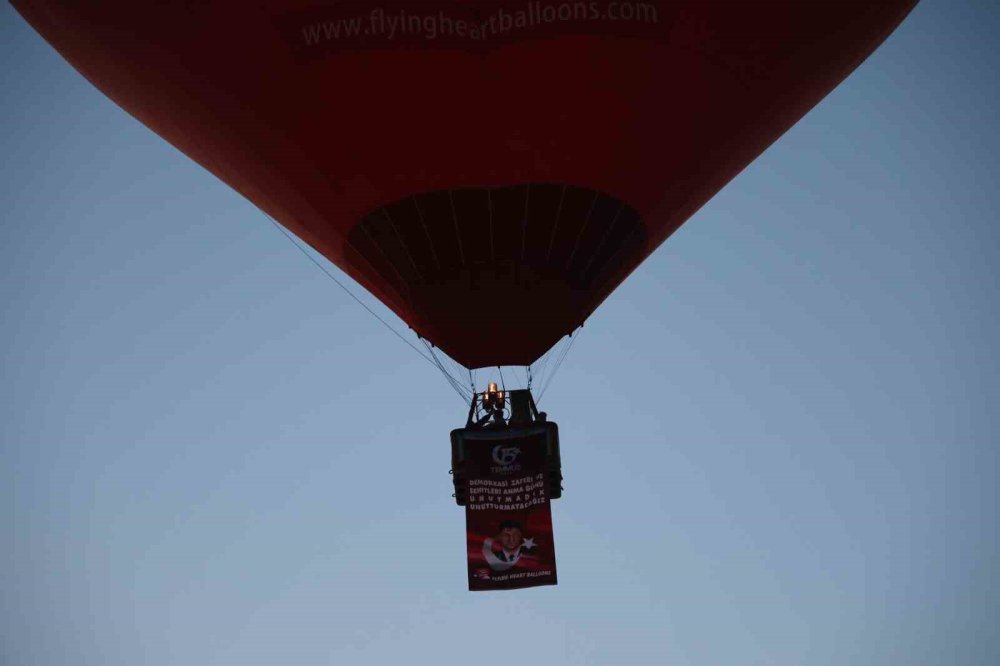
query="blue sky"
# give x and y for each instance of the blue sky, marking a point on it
(779, 434)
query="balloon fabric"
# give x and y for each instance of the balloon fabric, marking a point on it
(491, 171)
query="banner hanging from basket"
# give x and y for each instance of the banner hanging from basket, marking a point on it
(507, 515)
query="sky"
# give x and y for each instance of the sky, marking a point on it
(778, 435)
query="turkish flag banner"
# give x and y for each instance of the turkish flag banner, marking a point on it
(507, 516)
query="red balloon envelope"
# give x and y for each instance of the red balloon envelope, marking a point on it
(490, 170)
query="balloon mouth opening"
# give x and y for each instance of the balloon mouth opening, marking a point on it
(514, 267)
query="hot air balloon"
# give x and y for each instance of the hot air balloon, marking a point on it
(490, 170)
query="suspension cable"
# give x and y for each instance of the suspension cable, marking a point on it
(433, 358)
(546, 358)
(455, 384)
(330, 275)
(572, 339)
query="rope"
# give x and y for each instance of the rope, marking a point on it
(545, 360)
(447, 375)
(433, 357)
(562, 358)
(330, 275)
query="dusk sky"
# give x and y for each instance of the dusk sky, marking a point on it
(779, 435)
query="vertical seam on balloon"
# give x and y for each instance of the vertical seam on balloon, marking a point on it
(489, 203)
(430, 243)
(392, 265)
(555, 225)
(375, 272)
(583, 227)
(524, 223)
(402, 244)
(604, 238)
(637, 227)
(458, 235)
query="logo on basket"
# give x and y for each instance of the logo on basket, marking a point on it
(505, 455)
